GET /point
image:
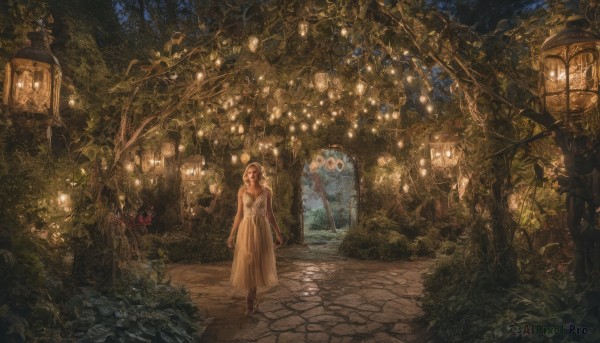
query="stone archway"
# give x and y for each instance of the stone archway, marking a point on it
(330, 196)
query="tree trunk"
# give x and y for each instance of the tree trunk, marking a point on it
(318, 185)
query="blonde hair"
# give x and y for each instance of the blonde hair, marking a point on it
(261, 174)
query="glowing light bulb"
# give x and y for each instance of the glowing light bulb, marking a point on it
(234, 159)
(181, 148)
(422, 161)
(344, 32)
(448, 153)
(350, 134)
(200, 133)
(20, 84)
(429, 108)
(361, 87)
(423, 172)
(292, 128)
(199, 76)
(253, 43)
(406, 188)
(400, 144)
(241, 129)
(71, 102)
(129, 167)
(275, 152)
(218, 62)
(423, 98)
(303, 28)
(304, 127)
(409, 79)
(36, 85)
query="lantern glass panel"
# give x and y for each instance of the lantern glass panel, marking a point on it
(571, 79)
(152, 162)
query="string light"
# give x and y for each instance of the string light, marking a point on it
(199, 76)
(423, 98)
(344, 32)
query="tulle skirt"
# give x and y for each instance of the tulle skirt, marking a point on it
(254, 256)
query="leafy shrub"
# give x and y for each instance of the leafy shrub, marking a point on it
(197, 246)
(465, 302)
(423, 246)
(376, 238)
(316, 219)
(447, 248)
(144, 311)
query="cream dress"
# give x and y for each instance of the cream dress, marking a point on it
(254, 256)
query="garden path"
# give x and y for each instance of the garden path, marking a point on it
(322, 297)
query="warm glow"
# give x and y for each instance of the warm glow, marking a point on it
(253, 43)
(234, 159)
(303, 28)
(361, 87)
(423, 98)
(199, 76)
(423, 172)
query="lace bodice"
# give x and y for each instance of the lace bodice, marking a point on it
(255, 206)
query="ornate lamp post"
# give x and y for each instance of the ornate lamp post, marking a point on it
(32, 79)
(569, 90)
(569, 65)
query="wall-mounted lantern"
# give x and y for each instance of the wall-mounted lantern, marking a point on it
(32, 79)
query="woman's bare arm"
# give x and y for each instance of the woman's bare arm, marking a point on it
(238, 218)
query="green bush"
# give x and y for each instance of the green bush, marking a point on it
(464, 302)
(143, 311)
(423, 246)
(316, 219)
(201, 245)
(376, 239)
(447, 248)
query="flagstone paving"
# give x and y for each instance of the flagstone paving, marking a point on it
(322, 297)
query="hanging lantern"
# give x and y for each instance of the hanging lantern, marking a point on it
(32, 79)
(443, 150)
(168, 149)
(253, 43)
(321, 81)
(64, 201)
(360, 88)
(569, 78)
(191, 169)
(303, 28)
(152, 162)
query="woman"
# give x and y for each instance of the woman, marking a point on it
(254, 256)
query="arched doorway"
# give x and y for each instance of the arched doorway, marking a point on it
(329, 197)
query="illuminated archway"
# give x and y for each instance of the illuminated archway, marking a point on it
(330, 196)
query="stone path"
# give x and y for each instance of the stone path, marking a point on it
(326, 299)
